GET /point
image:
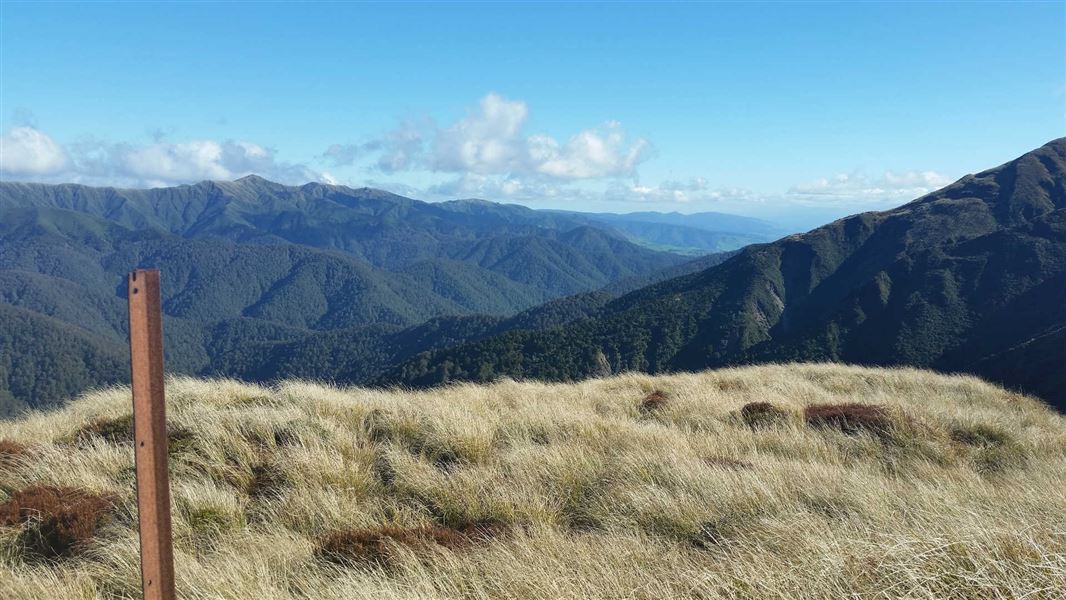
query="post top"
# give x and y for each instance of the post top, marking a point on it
(143, 273)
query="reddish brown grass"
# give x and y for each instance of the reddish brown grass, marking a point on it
(11, 452)
(378, 546)
(60, 519)
(10, 449)
(851, 418)
(759, 415)
(653, 402)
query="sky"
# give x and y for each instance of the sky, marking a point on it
(788, 111)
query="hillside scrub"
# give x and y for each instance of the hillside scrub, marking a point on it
(777, 481)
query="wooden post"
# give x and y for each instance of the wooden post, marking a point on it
(150, 435)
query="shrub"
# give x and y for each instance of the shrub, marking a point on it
(58, 520)
(850, 418)
(760, 415)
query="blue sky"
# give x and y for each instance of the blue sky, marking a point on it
(762, 109)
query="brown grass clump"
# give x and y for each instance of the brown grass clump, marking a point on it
(378, 546)
(759, 415)
(851, 418)
(653, 402)
(10, 448)
(11, 453)
(59, 519)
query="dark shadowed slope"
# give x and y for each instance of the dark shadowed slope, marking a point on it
(969, 278)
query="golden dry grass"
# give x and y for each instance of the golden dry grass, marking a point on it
(312, 491)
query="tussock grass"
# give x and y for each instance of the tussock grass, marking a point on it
(840, 482)
(53, 521)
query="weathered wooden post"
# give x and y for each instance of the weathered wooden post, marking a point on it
(150, 435)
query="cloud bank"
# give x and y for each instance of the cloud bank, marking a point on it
(488, 153)
(27, 153)
(491, 141)
(24, 150)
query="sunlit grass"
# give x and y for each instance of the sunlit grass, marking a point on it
(633, 486)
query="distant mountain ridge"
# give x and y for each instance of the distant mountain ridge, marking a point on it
(696, 233)
(308, 269)
(969, 278)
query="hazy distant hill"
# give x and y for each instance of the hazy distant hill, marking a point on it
(696, 233)
(969, 278)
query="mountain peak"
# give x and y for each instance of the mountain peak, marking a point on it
(254, 179)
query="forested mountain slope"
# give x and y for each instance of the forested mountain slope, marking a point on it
(253, 270)
(969, 278)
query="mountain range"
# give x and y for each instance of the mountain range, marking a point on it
(970, 278)
(255, 264)
(264, 281)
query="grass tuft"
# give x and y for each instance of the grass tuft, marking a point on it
(55, 521)
(724, 462)
(267, 480)
(379, 546)
(760, 415)
(118, 430)
(652, 402)
(11, 452)
(980, 434)
(851, 418)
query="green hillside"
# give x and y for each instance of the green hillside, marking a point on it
(969, 278)
(261, 279)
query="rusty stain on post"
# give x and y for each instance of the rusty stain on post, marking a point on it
(150, 435)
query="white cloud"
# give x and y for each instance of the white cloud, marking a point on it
(27, 151)
(858, 186)
(31, 154)
(490, 140)
(589, 154)
(487, 141)
(199, 159)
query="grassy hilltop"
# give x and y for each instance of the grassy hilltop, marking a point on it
(797, 481)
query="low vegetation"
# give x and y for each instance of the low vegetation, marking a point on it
(780, 481)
